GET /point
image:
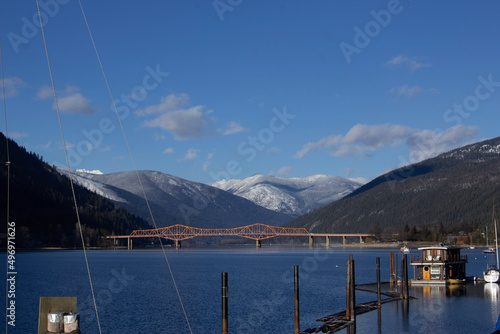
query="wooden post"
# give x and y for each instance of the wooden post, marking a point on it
(407, 290)
(224, 304)
(396, 271)
(379, 300)
(353, 294)
(348, 290)
(296, 298)
(401, 293)
(391, 270)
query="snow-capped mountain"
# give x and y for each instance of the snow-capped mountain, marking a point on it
(174, 200)
(295, 196)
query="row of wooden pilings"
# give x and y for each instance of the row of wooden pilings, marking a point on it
(345, 319)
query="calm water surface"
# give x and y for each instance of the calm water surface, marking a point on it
(135, 293)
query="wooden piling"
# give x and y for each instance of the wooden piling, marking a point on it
(348, 290)
(296, 299)
(391, 270)
(224, 304)
(379, 297)
(407, 290)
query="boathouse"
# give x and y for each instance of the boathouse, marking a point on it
(438, 265)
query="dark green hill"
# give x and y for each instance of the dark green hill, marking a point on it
(42, 206)
(454, 189)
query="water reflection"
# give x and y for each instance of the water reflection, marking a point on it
(491, 291)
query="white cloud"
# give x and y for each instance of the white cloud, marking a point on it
(17, 135)
(409, 92)
(232, 128)
(12, 86)
(75, 104)
(44, 92)
(285, 170)
(190, 155)
(206, 164)
(426, 144)
(168, 103)
(70, 101)
(362, 139)
(359, 139)
(168, 151)
(412, 63)
(184, 123)
(174, 114)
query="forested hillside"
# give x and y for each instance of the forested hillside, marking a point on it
(454, 189)
(42, 206)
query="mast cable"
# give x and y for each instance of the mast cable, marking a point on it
(69, 169)
(8, 183)
(135, 167)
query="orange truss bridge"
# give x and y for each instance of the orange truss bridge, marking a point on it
(256, 232)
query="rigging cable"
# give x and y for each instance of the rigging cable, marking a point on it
(7, 163)
(135, 167)
(69, 169)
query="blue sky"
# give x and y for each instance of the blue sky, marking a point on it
(227, 89)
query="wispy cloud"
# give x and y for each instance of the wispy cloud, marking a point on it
(283, 171)
(17, 135)
(75, 104)
(191, 154)
(232, 128)
(404, 90)
(70, 100)
(174, 115)
(168, 151)
(412, 63)
(362, 139)
(12, 87)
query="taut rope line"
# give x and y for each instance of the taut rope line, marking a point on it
(135, 166)
(69, 169)
(7, 163)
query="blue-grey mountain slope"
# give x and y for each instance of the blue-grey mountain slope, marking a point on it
(174, 200)
(294, 196)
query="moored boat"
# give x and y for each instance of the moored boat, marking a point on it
(439, 265)
(492, 275)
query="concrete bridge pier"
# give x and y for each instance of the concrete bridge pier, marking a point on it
(361, 240)
(311, 241)
(129, 243)
(177, 244)
(344, 240)
(327, 241)
(258, 243)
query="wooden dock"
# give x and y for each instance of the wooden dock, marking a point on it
(338, 321)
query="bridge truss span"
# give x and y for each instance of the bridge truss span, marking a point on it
(255, 232)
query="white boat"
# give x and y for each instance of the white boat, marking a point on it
(492, 275)
(404, 250)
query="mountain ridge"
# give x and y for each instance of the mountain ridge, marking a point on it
(456, 187)
(294, 196)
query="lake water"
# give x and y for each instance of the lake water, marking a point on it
(135, 293)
